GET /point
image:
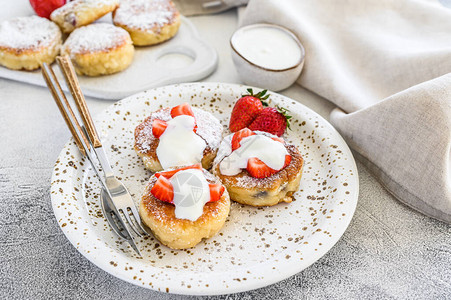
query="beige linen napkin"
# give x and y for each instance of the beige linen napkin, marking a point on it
(386, 64)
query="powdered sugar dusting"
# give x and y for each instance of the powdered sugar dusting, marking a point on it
(96, 37)
(145, 14)
(143, 136)
(72, 6)
(208, 128)
(28, 33)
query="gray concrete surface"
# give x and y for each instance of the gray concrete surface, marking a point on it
(388, 252)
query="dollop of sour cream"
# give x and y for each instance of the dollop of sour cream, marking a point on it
(271, 152)
(179, 144)
(191, 192)
(267, 47)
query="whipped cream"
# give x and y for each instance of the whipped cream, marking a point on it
(278, 50)
(271, 152)
(179, 145)
(191, 192)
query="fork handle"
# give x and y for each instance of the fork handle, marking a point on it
(67, 69)
(58, 95)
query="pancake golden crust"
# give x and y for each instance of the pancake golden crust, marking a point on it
(27, 42)
(99, 49)
(176, 233)
(146, 144)
(78, 13)
(268, 191)
(149, 22)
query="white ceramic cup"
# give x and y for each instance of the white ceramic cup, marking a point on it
(264, 77)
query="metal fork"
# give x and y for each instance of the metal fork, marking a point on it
(118, 202)
(110, 214)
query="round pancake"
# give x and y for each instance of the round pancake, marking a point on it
(27, 42)
(149, 22)
(79, 13)
(99, 49)
(177, 233)
(279, 187)
(208, 128)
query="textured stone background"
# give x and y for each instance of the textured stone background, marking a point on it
(389, 251)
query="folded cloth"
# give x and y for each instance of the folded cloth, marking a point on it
(201, 7)
(385, 64)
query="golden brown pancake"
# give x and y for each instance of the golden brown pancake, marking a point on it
(177, 233)
(99, 49)
(79, 13)
(149, 22)
(27, 42)
(279, 187)
(208, 128)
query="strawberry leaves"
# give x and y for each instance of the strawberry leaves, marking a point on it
(285, 112)
(260, 95)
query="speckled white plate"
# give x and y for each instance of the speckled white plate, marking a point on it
(255, 248)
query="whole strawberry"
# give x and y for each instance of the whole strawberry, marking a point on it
(44, 8)
(272, 119)
(246, 109)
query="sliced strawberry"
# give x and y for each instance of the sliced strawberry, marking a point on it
(259, 169)
(182, 109)
(238, 136)
(169, 174)
(158, 127)
(216, 191)
(163, 190)
(287, 161)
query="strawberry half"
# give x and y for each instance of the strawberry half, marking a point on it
(238, 136)
(163, 190)
(272, 120)
(182, 109)
(259, 169)
(169, 174)
(158, 127)
(246, 109)
(216, 191)
(44, 8)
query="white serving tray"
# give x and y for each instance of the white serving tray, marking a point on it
(184, 58)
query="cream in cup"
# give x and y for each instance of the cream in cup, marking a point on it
(267, 56)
